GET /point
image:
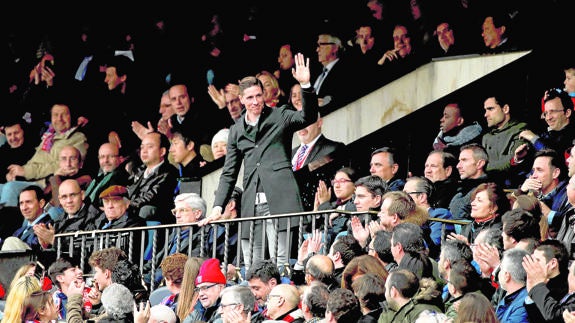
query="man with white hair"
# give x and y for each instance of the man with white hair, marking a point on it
(118, 301)
(158, 313)
(189, 208)
(162, 314)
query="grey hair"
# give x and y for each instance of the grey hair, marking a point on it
(193, 200)
(422, 184)
(334, 39)
(242, 294)
(455, 250)
(162, 313)
(512, 263)
(117, 300)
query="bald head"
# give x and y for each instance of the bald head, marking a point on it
(70, 196)
(322, 262)
(289, 293)
(320, 267)
(69, 184)
(69, 160)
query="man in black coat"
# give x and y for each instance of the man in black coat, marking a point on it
(315, 151)
(77, 216)
(547, 273)
(117, 216)
(315, 148)
(261, 140)
(187, 116)
(17, 150)
(151, 188)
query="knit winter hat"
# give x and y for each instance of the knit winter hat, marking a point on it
(210, 272)
(221, 135)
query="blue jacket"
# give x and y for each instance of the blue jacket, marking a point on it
(511, 308)
(27, 234)
(439, 213)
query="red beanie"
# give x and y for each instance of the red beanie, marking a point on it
(210, 272)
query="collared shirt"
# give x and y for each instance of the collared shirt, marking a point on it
(309, 148)
(37, 219)
(31, 224)
(149, 171)
(252, 123)
(321, 78)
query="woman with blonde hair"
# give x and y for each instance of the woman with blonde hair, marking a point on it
(25, 270)
(188, 297)
(39, 307)
(273, 96)
(23, 287)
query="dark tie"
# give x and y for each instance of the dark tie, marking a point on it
(177, 190)
(319, 80)
(174, 244)
(300, 157)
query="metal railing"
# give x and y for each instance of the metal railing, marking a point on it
(133, 241)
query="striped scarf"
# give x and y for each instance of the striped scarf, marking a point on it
(48, 139)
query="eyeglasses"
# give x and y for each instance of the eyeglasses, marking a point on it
(340, 181)
(325, 43)
(182, 209)
(226, 305)
(203, 288)
(414, 192)
(71, 195)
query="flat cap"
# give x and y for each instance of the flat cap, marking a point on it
(114, 192)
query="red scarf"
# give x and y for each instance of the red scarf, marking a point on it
(48, 139)
(288, 318)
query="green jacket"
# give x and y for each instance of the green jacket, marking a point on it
(43, 163)
(500, 145)
(408, 313)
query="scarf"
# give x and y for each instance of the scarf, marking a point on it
(170, 301)
(60, 300)
(48, 139)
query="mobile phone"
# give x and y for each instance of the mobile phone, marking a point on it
(48, 64)
(40, 270)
